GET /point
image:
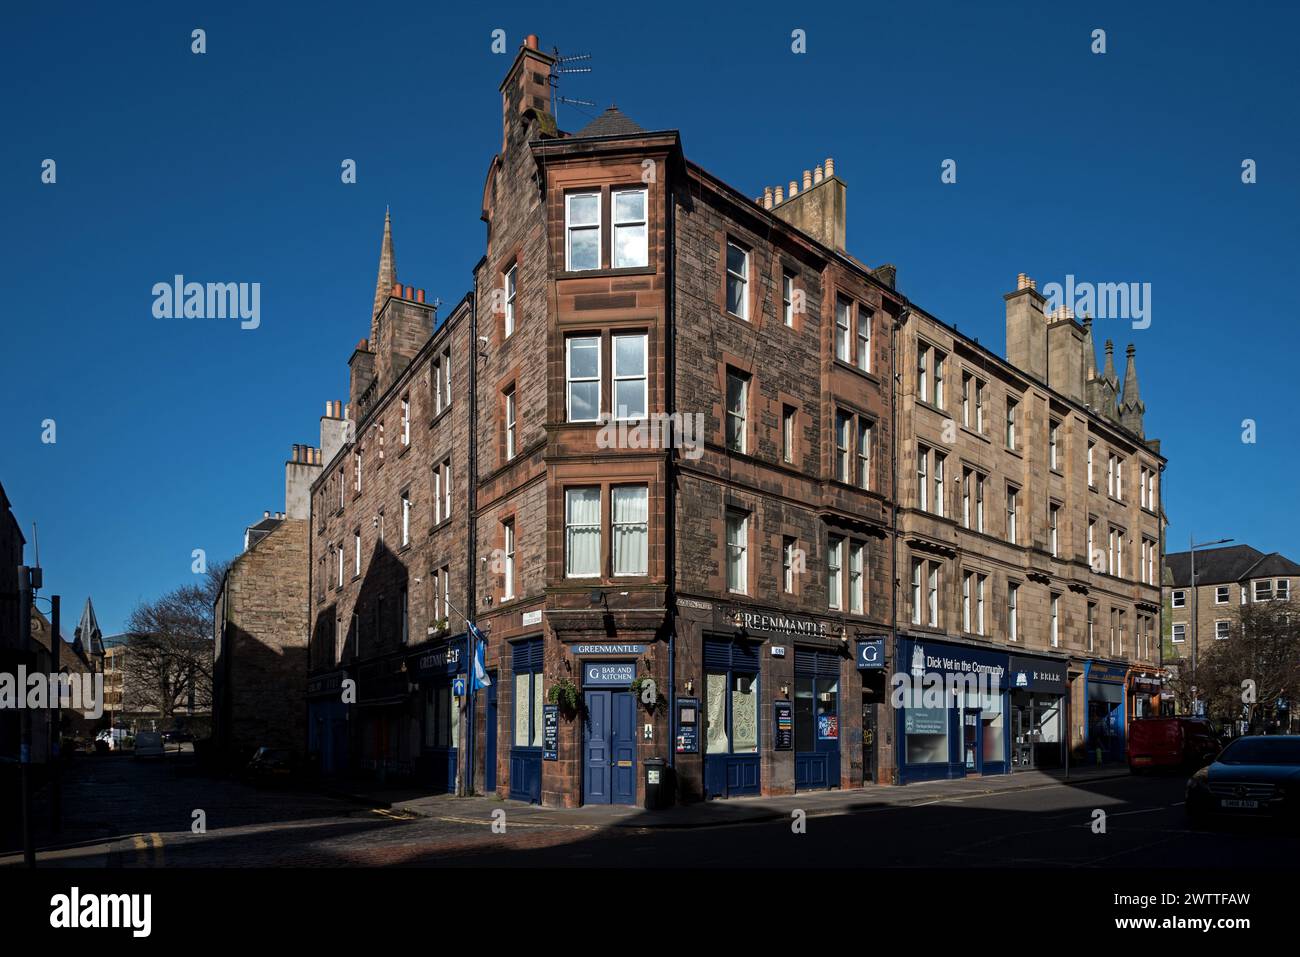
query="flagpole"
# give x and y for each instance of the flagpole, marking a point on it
(471, 647)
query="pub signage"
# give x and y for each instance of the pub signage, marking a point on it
(774, 624)
(871, 654)
(598, 674)
(585, 650)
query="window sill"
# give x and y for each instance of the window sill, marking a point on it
(938, 409)
(438, 415)
(438, 525)
(405, 448)
(646, 270)
(975, 434)
(869, 376)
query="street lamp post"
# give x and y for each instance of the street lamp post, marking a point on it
(1191, 548)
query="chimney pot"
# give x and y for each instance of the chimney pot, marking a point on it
(419, 295)
(779, 198)
(767, 197)
(830, 166)
(530, 41)
(1022, 281)
(410, 293)
(807, 179)
(817, 174)
(1033, 284)
(794, 189)
(266, 513)
(397, 290)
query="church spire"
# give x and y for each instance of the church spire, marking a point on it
(1131, 406)
(387, 266)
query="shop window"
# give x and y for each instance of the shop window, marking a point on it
(731, 697)
(441, 717)
(527, 664)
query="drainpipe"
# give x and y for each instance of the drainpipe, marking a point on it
(670, 476)
(471, 577)
(893, 495)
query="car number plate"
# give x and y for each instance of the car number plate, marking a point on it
(1228, 802)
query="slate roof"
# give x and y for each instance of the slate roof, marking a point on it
(1234, 563)
(612, 122)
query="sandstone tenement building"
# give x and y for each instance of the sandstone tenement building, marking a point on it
(705, 481)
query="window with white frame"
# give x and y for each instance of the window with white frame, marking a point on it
(437, 494)
(922, 371)
(787, 298)
(1092, 479)
(1013, 611)
(737, 551)
(937, 501)
(967, 600)
(356, 553)
(631, 247)
(406, 518)
(1053, 529)
(582, 532)
(788, 547)
(918, 606)
(932, 596)
(1179, 633)
(1220, 629)
(582, 378)
(630, 505)
(843, 448)
(1179, 599)
(922, 477)
(1092, 626)
(1264, 590)
(510, 423)
(843, 322)
(437, 385)
(788, 418)
(1221, 594)
(938, 371)
(737, 410)
(834, 571)
(865, 318)
(511, 278)
(981, 585)
(1055, 628)
(1053, 445)
(356, 471)
(446, 376)
(857, 559)
(1013, 513)
(446, 488)
(508, 559)
(582, 230)
(737, 280)
(864, 453)
(1283, 590)
(406, 420)
(630, 376)
(338, 553)
(1012, 410)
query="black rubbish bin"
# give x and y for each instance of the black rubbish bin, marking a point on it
(658, 784)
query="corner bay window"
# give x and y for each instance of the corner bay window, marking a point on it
(582, 230)
(582, 532)
(630, 376)
(629, 531)
(582, 374)
(630, 245)
(630, 506)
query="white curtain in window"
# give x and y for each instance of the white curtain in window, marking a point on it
(582, 524)
(522, 699)
(537, 711)
(631, 518)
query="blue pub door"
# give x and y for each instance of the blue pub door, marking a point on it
(609, 764)
(816, 719)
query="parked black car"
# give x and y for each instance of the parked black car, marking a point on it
(176, 736)
(272, 766)
(1254, 777)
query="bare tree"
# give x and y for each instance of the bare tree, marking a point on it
(169, 661)
(1244, 676)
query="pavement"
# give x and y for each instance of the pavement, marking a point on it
(717, 813)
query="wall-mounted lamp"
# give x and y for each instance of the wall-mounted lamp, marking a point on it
(785, 691)
(690, 686)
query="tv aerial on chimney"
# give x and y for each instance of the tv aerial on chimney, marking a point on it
(565, 65)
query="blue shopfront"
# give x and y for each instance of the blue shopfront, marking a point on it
(436, 670)
(732, 764)
(816, 719)
(1104, 686)
(951, 705)
(527, 721)
(327, 723)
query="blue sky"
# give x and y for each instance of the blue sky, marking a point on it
(171, 435)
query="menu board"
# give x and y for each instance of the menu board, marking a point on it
(688, 725)
(783, 738)
(550, 732)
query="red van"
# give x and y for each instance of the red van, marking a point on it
(1181, 742)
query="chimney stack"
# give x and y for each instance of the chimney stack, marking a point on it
(817, 209)
(1027, 329)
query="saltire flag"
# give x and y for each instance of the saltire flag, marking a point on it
(481, 679)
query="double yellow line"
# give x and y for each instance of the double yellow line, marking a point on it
(148, 849)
